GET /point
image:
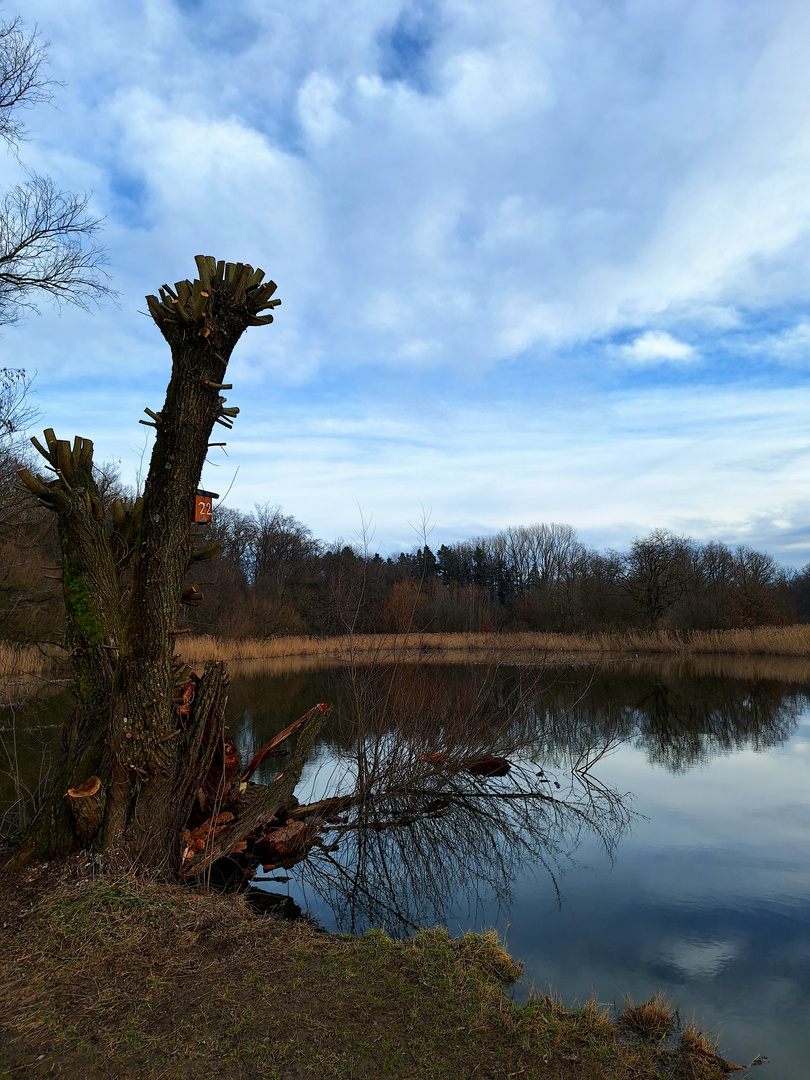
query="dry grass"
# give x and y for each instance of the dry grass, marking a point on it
(653, 1020)
(785, 641)
(21, 661)
(696, 1042)
(114, 976)
(27, 662)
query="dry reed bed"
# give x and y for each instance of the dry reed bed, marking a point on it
(786, 641)
(26, 664)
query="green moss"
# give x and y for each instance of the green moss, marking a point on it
(86, 628)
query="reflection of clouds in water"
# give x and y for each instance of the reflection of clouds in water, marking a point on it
(699, 959)
(749, 809)
(324, 775)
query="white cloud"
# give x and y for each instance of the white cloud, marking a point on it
(656, 347)
(317, 101)
(791, 346)
(549, 156)
(485, 89)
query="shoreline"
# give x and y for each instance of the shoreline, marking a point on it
(790, 641)
(103, 974)
(20, 663)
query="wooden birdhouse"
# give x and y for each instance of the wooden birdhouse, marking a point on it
(204, 506)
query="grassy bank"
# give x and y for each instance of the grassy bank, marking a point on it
(793, 641)
(104, 976)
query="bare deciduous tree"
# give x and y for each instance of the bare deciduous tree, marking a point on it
(48, 242)
(657, 572)
(16, 411)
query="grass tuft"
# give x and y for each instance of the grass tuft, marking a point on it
(653, 1020)
(696, 1042)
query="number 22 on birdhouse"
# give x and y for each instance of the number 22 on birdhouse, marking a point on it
(203, 507)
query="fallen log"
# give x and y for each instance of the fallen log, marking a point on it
(487, 765)
(324, 808)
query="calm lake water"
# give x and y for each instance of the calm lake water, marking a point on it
(653, 834)
(666, 847)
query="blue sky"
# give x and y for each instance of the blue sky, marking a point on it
(539, 261)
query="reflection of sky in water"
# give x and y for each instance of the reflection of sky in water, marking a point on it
(708, 899)
(698, 959)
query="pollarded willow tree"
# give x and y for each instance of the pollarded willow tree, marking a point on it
(145, 765)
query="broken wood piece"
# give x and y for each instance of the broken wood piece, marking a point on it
(267, 751)
(189, 692)
(487, 765)
(196, 840)
(223, 770)
(87, 806)
(435, 759)
(285, 841)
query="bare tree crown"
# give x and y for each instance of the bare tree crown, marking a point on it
(48, 242)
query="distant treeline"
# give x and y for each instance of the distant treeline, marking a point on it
(273, 577)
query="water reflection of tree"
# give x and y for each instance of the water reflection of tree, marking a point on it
(681, 719)
(418, 830)
(420, 826)
(678, 719)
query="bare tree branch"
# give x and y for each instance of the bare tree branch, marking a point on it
(23, 58)
(47, 247)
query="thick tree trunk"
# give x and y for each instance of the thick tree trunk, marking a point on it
(149, 740)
